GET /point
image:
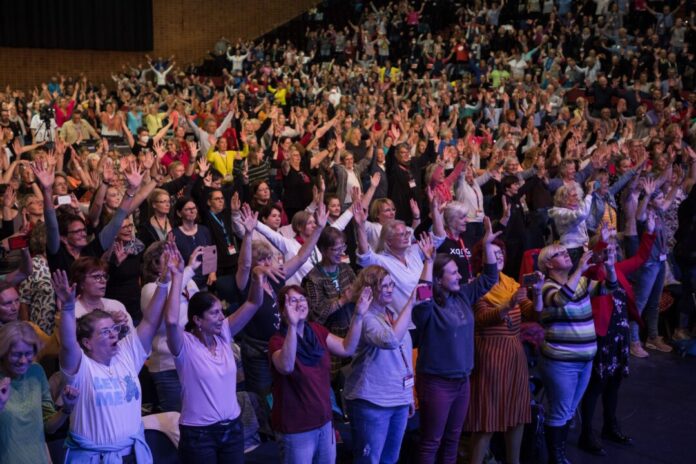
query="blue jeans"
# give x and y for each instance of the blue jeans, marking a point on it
(168, 390)
(219, 443)
(648, 284)
(377, 431)
(317, 446)
(565, 382)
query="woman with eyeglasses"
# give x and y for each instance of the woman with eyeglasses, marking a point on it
(299, 354)
(569, 215)
(106, 424)
(91, 275)
(26, 408)
(158, 226)
(266, 321)
(190, 235)
(570, 341)
(125, 261)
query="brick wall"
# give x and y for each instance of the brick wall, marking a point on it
(185, 28)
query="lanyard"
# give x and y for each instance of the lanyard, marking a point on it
(222, 225)
(390, 321)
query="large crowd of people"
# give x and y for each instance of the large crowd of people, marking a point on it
(386, 217)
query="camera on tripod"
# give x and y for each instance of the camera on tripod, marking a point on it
(47, 113)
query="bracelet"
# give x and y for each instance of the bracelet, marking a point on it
(416, 218)
(69, 306)
(161, 284)
(130, 195)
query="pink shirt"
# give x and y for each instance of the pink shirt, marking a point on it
(62, 117)
(208, 382)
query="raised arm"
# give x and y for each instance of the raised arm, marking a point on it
(307, 248)
(243, 315)
(347, 345)
(70, 351)
(248, 219)
(359, 218)
(45, 177)
(171, 264)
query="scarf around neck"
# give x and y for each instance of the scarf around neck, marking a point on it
(309, 350)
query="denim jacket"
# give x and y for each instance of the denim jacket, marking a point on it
(594, 218)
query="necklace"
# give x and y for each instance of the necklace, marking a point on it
(162, 228)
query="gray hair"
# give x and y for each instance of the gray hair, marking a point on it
(454, 210)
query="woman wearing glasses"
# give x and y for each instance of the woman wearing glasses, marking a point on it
(299, 355)
(158, 226)
(91, 275)
(26, 407)
(191, 235)
(124, 269)
(570, 341)
(106, 424)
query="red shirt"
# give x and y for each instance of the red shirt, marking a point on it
(62, 117)
(301, 400)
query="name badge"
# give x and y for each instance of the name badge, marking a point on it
(408, 382)
(412, 183)
(231, 250)
(663, 257)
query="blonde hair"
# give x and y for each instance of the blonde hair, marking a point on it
(377, 206)
(14, 332)
(546, 254)
(155, 194)
(453, 210)
(260, 250)
(386, 234)
(561, 196)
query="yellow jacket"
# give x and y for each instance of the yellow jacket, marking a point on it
(224, 162)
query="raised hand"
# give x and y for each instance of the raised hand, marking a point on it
(415, 209)
(134, 174)
(175, 262)
(148, 159)
(203, 166)
(108, 174)
(61, 285)
(489, 235)
(235, 202)
(158, 146)
(193, 148)
(193, 262)
(359, 214)
(9, 197)
(427, 246)
(249, 218)
(364, 301)
(321, 215)
(375, 179)
(43, 173)
(119, 252)
(585, 259)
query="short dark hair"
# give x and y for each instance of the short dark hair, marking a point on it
(85, 324)
(64, 221)
(84, 265)
(198, 305)
(328, 238)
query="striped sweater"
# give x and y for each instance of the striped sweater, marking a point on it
(567, 319)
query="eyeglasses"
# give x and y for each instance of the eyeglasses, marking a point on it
(388, 286)
(17, 356)
(560, 253)
(161, 201)
(77, 231)
(99, 277)
(108, 331)
(189, 210)
(338, 248)
(127, 226)
(218, 198)
(499, 254)
(404, 234)
(296, 300)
